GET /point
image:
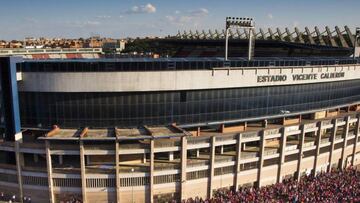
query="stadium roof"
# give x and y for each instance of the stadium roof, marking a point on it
(190, 59)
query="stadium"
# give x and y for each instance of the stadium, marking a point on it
(159, 130)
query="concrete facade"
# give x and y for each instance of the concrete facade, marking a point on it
(182, 80)
(311, 154)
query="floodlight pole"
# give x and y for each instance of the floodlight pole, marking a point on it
(226, 43)
(247, 24)
(250, 45)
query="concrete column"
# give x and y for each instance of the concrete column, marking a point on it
(356, 139)
(301, 151)
(346, 134)
(265, 123)
(197, 153)
(198, 131)
(212, 165)
(243, 146)
(222, 149)
(183, 168)
(36, 158)
(87, 158)
(83, 171)
(19, 164)
(49, 171)
(171, 156)
(61, 160)
(117, 171)
(261, 156)
(237, 162)
(144, 158)
(282, 155)
(332, 144)
(317, 150)
(152, 159)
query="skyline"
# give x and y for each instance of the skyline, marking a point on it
(131, 18)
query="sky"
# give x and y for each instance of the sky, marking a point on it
(138, 18)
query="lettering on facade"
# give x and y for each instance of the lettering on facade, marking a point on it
(299, 77)
(272, 78)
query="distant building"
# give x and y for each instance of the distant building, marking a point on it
(114, 46)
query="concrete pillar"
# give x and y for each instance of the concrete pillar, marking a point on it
(271, 34)
(19, 164)
(87, 158)
(49, 171)
(61, 159)
(261, 156)
(332, 144)
(171, 156)
(309, 36)
(183, 168)
(243, 147)
(319, 36)
(83, 171)
(282, 155)
(301, 151)
(212, 165)
(299, 35)
(317, 150)
(222, 149)
(356, 139)
(265, 123)
(222, 128)
(289, 35)
(341, 38)
(262, 34)
(152, 159)
(237, 162)
(144, 158)
(36, 158)
(117, 171)
(346, 134)
(280, 35)
(330, 37)
(197, 153)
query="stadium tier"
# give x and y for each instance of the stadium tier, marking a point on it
(156, 130)
(60, 53)
(269, 43)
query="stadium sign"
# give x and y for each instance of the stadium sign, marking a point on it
(299, 77)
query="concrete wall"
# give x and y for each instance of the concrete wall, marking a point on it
(176, 80)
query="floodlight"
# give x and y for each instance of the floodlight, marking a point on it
(246, 23)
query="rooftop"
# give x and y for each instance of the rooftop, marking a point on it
(141, 132)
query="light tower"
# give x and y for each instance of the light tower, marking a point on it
(247, 24)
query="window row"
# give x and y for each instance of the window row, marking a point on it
(93, 66)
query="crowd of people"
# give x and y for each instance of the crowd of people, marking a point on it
(11, 198)
(336, 186)
(70, 198)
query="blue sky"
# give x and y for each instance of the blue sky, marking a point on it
(123, 18)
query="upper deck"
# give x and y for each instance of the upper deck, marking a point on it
(168, 64)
